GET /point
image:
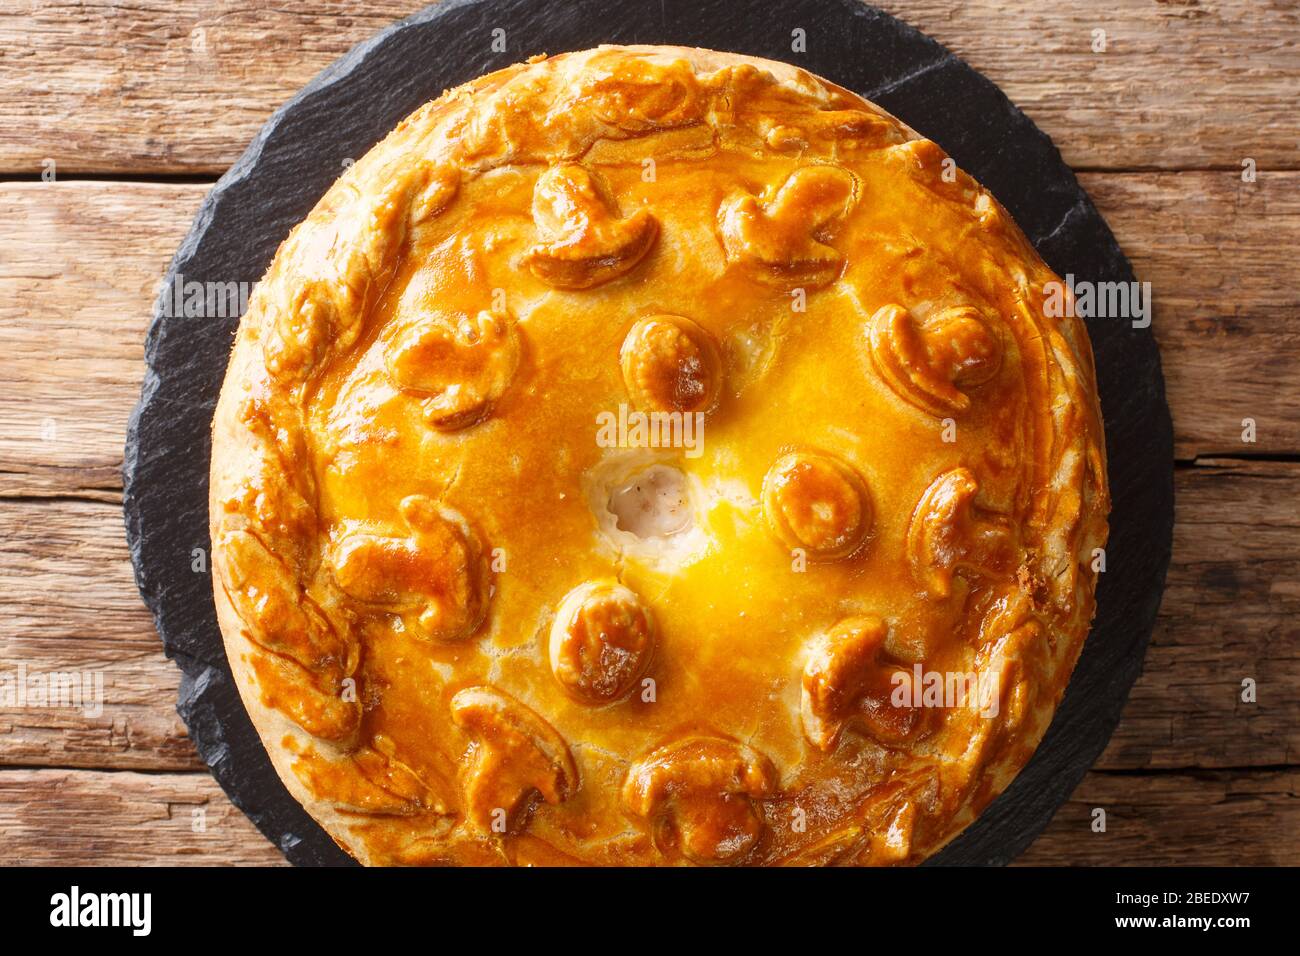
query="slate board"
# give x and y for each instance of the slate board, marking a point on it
(358, 99)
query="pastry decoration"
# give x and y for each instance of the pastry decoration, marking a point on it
(817, 503)
(670, 364)
(459, 366)
(585, 240)
(517, 757)
(612, 463)
(601, 641)
(785, 239)
(434, 577)
(933, 364)
(847, 683)
(699, 794)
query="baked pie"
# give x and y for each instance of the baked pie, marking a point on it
(651, 455)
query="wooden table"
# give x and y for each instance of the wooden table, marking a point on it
(136, 109)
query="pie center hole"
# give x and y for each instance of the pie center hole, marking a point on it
(654, 503)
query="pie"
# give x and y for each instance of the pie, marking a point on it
(651, 455)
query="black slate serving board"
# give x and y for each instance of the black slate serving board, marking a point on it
(353, 103)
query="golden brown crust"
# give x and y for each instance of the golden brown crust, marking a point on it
(455, 632)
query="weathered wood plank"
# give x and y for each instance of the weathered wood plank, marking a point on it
(68, 606)
(1216, 251)
(182, 87)
(89, 818)
(161, 87)
(75, 301)
(67, 603)
(50, 817)
(1207, 818)
(1231, 611)
(1182, 84)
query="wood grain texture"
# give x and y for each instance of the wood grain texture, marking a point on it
(85, 818)
(59, 816)
(1217, 252)
(181, 87)
(68, 606)
(79, 263)
(1231, 611)
(1192, 775)
(1202, 818)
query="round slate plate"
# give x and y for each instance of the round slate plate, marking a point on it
(355, 102)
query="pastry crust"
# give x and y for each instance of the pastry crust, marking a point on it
(472, 627)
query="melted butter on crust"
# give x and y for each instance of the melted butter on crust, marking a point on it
(447, 329)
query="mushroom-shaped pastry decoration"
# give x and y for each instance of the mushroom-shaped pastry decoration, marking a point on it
(817, 503)
(435, 577)
(948, 533)
(584, 240)
(460, 365)
(847, 683)
(601, 641)
(698, 794)
(670, 364)
(516, 757)
(784, 239)
(930, 363)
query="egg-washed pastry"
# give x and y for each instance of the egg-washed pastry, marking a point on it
(651, 456)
